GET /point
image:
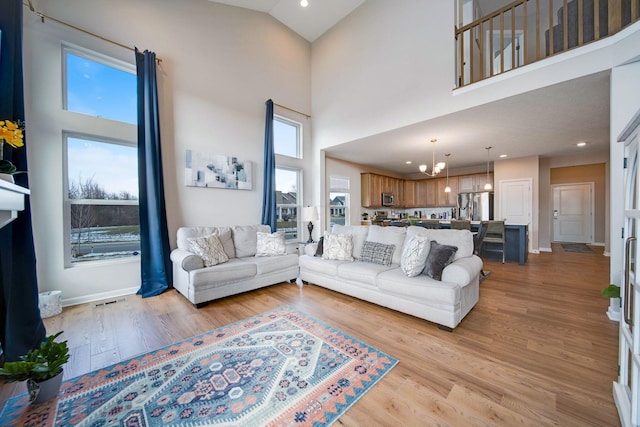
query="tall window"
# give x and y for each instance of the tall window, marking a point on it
(101, 182)
(287, 205)
(339, 200)
(287, 137)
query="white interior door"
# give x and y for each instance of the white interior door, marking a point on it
(573, 213)
(626, 390)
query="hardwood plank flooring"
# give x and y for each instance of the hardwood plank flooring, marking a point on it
(537, 350)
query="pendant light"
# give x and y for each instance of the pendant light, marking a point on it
(447, 189)
(488, 186)
(435, 168)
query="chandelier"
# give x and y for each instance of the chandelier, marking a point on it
(435, 168)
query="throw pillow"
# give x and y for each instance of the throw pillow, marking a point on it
(439, 257)
(319, 248)
(414, 255)
(337, 247)
(270, 244)
(210, 249)
(377, 253)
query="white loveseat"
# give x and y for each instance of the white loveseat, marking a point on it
(445, 302)
(244, 271)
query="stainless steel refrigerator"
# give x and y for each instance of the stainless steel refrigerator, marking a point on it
(475, 206)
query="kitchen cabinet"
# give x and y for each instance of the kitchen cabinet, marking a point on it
(447, 199)
(426, 193)
(410, 194)
(373, 185)
(473, 183)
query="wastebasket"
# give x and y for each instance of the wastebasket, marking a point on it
(50, 303)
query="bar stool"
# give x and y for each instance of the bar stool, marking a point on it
(478, 240)
(495, 234)
(460, 224)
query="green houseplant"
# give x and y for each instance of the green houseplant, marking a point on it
(613, 293)
(41, 367)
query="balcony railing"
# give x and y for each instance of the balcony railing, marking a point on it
(527, 31)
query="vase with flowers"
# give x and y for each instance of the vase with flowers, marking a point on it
(11, 134)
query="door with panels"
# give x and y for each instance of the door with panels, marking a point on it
(626, 390)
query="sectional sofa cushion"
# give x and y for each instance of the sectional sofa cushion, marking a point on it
(209, 248)
(421, 288)
(462, 239)
(439, 257)
(270, 244)
(245, 238)
(390, 236)
(232, 271)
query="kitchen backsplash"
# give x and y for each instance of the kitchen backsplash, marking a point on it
(425, 213)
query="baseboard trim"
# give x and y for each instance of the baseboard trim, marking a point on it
(67, 302)
(545, 250)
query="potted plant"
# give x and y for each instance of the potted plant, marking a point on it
(11, 133)
(613, 293)
(41, 367)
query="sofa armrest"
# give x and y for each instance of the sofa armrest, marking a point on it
(462, 271)
(186, 260)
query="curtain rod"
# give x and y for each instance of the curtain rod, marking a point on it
(295, 111)
(43, 17)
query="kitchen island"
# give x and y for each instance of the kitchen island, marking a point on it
(517, 241)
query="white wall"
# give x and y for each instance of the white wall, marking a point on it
(219, 66)
(625, 86)
(522, 168)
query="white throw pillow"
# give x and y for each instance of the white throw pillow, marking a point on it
(337, 247)
(358, 236)
(414, 255)
(209, 248)
(270, 244)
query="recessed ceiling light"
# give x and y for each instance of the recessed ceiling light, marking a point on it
(408, 162)
(502, 156)
(304, 3)
(581, 144)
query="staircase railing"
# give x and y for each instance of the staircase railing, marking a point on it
(527, 31)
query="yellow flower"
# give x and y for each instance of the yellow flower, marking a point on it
(11, 133)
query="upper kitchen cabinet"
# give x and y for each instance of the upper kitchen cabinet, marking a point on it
(473, 183)
(373, 185)
(451, 198)
(426, 193)
(410, 194)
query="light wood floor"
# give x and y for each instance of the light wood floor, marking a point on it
(536, 350)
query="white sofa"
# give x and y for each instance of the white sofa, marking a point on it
(445, 302)
(242, 272)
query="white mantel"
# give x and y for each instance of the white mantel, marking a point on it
(11, 201)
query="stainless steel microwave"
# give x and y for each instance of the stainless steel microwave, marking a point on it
(387, 199)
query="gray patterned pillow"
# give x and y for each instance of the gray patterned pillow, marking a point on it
(337, 247)
(209, 248)
(377, 253)
(414, 255)
(439, 257)
(270, 244)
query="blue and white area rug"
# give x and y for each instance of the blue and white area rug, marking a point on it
(278, 368)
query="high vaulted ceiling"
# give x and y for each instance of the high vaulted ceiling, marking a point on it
(545, 122)
(310, 22)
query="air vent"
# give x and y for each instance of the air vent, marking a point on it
(102, 304)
